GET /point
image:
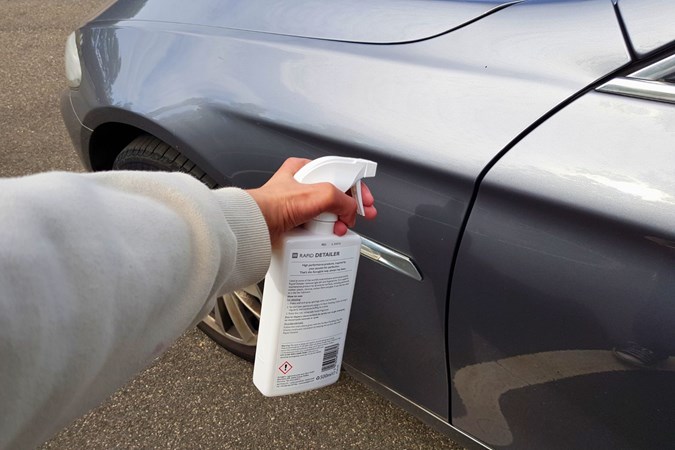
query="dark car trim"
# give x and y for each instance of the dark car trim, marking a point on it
(413, 408)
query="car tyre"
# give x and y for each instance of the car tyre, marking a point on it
(149, 153)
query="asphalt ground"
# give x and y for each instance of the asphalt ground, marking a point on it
(196, 395)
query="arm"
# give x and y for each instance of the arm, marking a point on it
(100, 273)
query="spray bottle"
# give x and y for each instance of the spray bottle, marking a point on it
(308, 291)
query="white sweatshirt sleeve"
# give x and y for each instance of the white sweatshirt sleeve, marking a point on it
(99, 274)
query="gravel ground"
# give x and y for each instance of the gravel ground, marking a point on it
(197, 395)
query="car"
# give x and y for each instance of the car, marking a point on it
(516, 290)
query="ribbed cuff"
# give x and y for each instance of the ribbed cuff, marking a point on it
(253, 239)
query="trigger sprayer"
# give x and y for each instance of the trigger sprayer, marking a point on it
(308, 291)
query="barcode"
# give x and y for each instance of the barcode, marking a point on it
(330, 354)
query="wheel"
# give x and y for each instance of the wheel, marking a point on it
(233, 323)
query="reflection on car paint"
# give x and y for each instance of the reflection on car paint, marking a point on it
(480, 386)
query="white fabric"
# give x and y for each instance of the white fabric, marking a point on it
(99, 274)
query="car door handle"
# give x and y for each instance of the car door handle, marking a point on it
(389, 258)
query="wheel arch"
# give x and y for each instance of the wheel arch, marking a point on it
(114, 128)
(107, 141)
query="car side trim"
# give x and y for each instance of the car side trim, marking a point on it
(431, 419)
(649, 90)
(647, 83)
(657, 71)
(389, 258)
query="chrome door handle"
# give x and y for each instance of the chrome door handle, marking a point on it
(389, 258)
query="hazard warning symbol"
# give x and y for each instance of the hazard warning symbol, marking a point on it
(285, 367)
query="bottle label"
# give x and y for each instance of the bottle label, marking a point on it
(319, 290)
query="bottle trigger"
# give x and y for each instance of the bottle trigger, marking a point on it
(356, 195)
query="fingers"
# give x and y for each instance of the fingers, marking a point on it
(345, 207)
(368, 201)
(340, 228)
(370, 212)
(335, 202)
(286, 204)
(366, 195)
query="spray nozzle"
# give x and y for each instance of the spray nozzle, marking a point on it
(344, 173)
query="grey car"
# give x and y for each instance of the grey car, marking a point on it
(517, 289)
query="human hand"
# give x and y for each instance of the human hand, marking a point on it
(286, 204)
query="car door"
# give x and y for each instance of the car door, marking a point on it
(561, 313)
(446, 120)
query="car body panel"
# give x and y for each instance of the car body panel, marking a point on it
(79, 134)
(240, 102)
(289, 82)
(649, 23)
(568, 253)
(374, 21)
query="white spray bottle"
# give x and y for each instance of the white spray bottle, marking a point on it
(308, 291)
